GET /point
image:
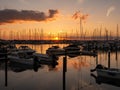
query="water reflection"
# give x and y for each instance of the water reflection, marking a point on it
(17, 67)
(54, 76)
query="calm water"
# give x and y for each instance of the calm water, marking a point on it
(47, 77)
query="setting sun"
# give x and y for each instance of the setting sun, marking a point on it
(55, 38)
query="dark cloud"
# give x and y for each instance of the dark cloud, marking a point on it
(11, 15)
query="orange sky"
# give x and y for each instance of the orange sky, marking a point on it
(56, 19)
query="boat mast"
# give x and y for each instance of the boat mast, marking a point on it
(106, 34)
(117, 33)
(80, 28)
(100, 32)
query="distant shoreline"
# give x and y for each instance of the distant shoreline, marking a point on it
(60, 41)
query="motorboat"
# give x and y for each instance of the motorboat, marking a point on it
(11, 48)
(21, 57)
(88, 53)
(26, 49)
(72, 50)
(111, 73)
(55, 50)
(103, 80)
(45, 58)
(19, 67)
(72, 47)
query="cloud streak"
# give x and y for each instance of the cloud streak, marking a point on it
(12, 15)
(81, 1)
(110, 10)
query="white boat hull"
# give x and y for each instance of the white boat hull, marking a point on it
(55, 52)
(109, 73)
(44, 57)
(21, 60)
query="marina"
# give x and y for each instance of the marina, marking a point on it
(59, 45)
(69, 73)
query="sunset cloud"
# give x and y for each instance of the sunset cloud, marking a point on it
(80, 15)
(12, 15)
(110, 10)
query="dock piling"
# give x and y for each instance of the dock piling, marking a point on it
(109, 59)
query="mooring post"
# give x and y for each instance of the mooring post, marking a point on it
(116, 53)
(65, 64)
(64, 71)
(109, 59)
(96, 60)
(35, 63)
(6, 74)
